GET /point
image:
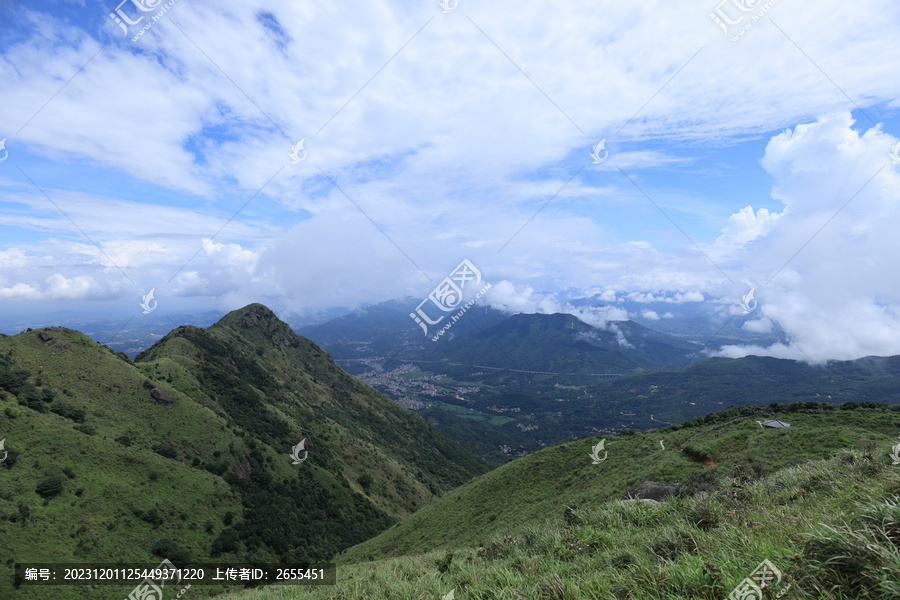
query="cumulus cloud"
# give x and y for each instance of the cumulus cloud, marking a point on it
(510, 298)
(822, 267)
(449, 152)
(745, 226)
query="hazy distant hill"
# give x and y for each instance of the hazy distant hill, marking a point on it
(676, 395)
(529, 380)
(386, 329)
(184, 453)
(563, 343)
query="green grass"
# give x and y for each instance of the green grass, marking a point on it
(529, 488)
(831, 526)
(131, 472)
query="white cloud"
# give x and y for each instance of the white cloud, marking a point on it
(450, 152)
(510, 298)
(826, 259)
(758, 325)
(745, 226)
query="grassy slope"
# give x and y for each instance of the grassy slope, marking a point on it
(100, 524)
(305, 395)
(831, 526)
(103, 512)
(528, 489)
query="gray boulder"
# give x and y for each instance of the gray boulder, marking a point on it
(160, 396)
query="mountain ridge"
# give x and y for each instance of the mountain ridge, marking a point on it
(214, 414)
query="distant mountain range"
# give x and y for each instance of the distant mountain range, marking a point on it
(504, 385)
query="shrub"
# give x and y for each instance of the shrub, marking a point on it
(24, 512)
(153, 517)
(11, 459)
(36, 405)
(50, 486)
(12, 412)
(68, 411)
(168, 548)
(228, 541)
(365, 480)
(443, 564)
(85, 429)
(124, 440)
(166, 451)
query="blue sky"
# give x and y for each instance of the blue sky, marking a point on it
(163, 162)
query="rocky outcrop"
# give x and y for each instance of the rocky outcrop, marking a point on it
(257, 315)
(242, 469)
(160, 396)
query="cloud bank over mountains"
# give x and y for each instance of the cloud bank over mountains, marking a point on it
(164, 163)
